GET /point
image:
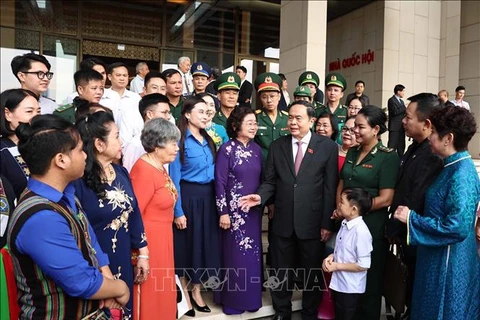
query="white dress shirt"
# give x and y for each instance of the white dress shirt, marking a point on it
(462, 104)
(186, 82)
(353, 245)
(305, 141)
(47, 106)
(137, 84)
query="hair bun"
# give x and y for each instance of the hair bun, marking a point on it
(80, 103)
(24, 131)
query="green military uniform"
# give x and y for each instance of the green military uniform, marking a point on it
(220, 118)
(312, 78)
(176, 111)
(227, 81)
(66, 111)
(378, 170)
(268, 131)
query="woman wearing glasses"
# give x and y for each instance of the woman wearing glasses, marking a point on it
(326, 125)
(348, 139)
(215, 131)
(355, 105)
(237, 173)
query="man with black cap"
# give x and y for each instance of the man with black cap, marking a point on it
(227, 87)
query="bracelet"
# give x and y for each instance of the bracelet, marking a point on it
(142, 256)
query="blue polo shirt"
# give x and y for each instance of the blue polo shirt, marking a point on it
(46, 238)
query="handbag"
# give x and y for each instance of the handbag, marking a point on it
(395, 279)
(326, 309)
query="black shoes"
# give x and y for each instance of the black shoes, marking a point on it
(279, 317)
(204, 308)
(190, 313)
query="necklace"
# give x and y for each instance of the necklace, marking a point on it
(458, 160)
(342, 150)
(155, 163)
(111, 176)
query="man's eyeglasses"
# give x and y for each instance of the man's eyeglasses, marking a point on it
(348, 130)
(40, 74)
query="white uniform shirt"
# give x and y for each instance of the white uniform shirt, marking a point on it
(111, 100)
(47, 106)
(137, 84)
(129, 120)
(353, 245)
(462, 104)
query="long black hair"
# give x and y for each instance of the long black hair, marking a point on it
(94, 126)
(188, 105)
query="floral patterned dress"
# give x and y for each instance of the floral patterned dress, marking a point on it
(217, 133)
(237, 173)
(117, 223)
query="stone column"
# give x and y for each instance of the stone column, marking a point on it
(303, 39)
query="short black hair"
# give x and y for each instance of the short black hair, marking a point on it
(46, 136)
(154, 74)
(83, 76)
(426, 103)
(215, 72)
(92, 62)
(360, 81)
(306, 104)
(360, 198)
(234, 122)
(458, 121)
(149, 100)
(459, 88)
(398, 87)
(375, 117)
(170, 72)
(24, 62)
(241, 68)
(10, 99)
(282, 76)
(333, 124)
(114, 65)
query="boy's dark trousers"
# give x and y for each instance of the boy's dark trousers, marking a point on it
(345, 305)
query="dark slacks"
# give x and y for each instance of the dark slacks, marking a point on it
(308, 253)
(345, 305)
(396, 140)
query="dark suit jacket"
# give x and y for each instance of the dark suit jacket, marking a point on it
(303, 203)
(396, 111)
(245, 93)
(418, 169)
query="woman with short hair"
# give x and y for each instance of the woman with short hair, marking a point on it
(238, 169)
(447, 276)
(326, 125)
(156, 195)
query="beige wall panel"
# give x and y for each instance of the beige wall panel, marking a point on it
(406, 52)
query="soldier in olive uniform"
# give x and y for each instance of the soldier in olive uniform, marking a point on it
(89, 85)
(227, 87)
(174, 92)
(373, 167)
(312, 81)
(272, 123)
(336, 85)
(302, 93)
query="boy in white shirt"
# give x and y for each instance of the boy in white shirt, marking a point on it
(351, 258)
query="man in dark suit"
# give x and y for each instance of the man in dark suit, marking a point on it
(396, 112)
(302, 175)
(418, 169)
(246, 89)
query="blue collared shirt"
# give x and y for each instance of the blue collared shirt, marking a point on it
(197, 168)
(46, 238)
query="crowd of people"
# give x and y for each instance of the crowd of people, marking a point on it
(122, 201)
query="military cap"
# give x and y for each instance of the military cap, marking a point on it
(302, 91)
(309, 77)
(201, 69)
(268, 81)
(227, 81)
(335, 79)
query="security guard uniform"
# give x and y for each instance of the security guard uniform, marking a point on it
(66, 111)
(227, 81)
(268, 131)
(378, 170)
